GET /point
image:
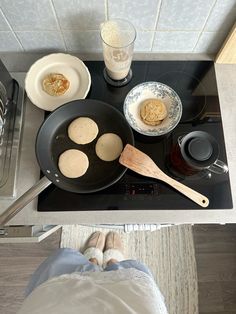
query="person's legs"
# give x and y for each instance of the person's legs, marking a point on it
(94, 248)
(115, 265)
(67, 261)
(113, 256)
(62, 261)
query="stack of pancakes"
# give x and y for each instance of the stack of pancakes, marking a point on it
(153, 111)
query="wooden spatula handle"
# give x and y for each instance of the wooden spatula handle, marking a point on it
(141, 163)
(190, 193)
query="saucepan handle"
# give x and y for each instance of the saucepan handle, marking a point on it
(23, 200)
(180, 139)
(218, 167)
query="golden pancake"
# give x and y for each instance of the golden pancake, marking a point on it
(109, 147)
(73, 163)
(83, 130)
(153, 111)
(55, 84)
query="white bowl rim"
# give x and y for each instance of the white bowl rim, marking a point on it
(155, 83)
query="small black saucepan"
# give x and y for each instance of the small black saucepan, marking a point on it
(52, 140)
(197, 151)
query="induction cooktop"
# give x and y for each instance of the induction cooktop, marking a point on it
(195, 83)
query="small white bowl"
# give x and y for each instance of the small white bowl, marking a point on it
(149, 90)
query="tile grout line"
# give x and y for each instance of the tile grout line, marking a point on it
(96, 30)
(12, 30)
(204, 25)
(156, 22)
(58, 24)
(106, 9)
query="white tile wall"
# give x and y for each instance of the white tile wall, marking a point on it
(222, 16)
(29, 15)
(41, 40)
(144, 41)
(141, 13)
(83, 41)
(73, 25)
(184, 15)
(79, 14)
(175, 41)
(210, 42)
(3, 23)
(8, 42)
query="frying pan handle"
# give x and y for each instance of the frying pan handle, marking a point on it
(23, 200)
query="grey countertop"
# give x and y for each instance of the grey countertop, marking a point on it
(29, 173)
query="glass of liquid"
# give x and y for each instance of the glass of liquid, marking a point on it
(118, 38)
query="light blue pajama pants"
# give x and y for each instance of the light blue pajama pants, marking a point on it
(67, 261)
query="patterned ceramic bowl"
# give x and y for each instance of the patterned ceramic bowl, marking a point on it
(148, 90)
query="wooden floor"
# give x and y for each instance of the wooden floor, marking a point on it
(17, 263)
(215, 247)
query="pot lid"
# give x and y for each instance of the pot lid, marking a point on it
(199, 149)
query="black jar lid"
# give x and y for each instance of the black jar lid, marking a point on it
(199, 149)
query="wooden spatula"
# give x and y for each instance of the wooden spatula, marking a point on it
(141, 163)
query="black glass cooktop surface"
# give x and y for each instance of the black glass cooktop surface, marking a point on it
(195, 83)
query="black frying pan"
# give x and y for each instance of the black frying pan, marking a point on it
(52, 140)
